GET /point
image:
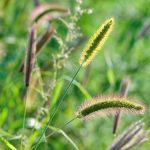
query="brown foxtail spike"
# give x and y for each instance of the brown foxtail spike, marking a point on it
(133, 136)
(30, 55)
(45, 38)
(123, 92)
(41, 43)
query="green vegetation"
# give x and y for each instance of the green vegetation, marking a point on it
(38, 103)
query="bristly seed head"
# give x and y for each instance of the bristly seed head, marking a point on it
(108, 105)
(96, 42)
(30, 55)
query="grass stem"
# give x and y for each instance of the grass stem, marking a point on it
(56, 108)
(24, 118)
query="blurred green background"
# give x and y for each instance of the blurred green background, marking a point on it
(126, 53)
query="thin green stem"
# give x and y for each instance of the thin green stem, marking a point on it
(66, 124)
(24, 118)
(55, 77)
(56, 108)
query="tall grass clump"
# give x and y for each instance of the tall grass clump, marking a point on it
(94, 44)
(35, 103)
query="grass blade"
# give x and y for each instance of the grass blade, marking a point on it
(10, 146)
(80, 87)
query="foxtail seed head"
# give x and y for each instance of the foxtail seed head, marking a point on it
(96, 42)
(30, 55)
(110, 105)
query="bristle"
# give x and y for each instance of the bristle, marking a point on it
(96, 42)
(103, 105)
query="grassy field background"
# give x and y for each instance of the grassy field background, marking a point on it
(126, 53)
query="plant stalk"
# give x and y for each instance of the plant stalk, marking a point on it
(123, 91)
(56, 108)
